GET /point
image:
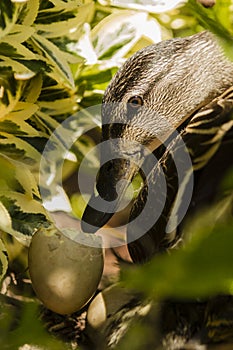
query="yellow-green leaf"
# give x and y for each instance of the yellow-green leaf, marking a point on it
(22, 215)
(55, 58)
(3, 258)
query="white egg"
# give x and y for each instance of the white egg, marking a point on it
(106, 304)
(64, 271)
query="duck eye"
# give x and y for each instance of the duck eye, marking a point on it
(135, 101)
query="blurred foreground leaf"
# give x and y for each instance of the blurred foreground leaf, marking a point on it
(23, 332)
(203, 267)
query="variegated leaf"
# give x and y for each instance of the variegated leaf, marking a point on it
(8, 17)
(33, 89)
(30, 12)
(115, 35)
(16, 176)
(21, 215)
(18, 117)
(19, 149)
(61, 70)
(11, 91)
(70, 27)
(152, 6)
(57, 107)
(3, 258)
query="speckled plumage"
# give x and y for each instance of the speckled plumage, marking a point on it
(174, 77)
(182, 83)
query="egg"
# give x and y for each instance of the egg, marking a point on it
(65, 268)
(107, 303)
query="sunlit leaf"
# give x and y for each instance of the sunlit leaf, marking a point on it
(18, 149)
(20, 33)
(8, 17)
(56, 107)
(17, 177)
(21, 112)
(144, 5)
(79, 203)
(116, 34)
(218, 24)
(25, 215)
(33, 89)
(69, 27)
(55, 58)
(29, 14)
(11, 92)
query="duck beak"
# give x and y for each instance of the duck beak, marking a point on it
(113, 180)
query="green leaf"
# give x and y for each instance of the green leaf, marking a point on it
(17, 177)
(20, 33)
(78, 203)
(143, 5)
(3, 259)
(29, 13)
(33, 89)
(11, 91)
(21, 215)
(55, 58)
(55, 107)
(18, 149)
(203, 267)
(7, 18)
(28, 331)
(215, 20)
(117, 33)
(69, 27)
(21, 112)
(56, 11)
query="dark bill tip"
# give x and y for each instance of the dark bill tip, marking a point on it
(92, 218)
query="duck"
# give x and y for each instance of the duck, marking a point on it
(167, 115)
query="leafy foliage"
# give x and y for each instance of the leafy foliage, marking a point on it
(37, 91)
(56, 57)
(36, 337)
(218, 20)
(203, 267)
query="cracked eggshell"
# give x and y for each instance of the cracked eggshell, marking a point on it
(106, 304)
(64, 271)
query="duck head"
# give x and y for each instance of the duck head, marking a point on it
(154, 92)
